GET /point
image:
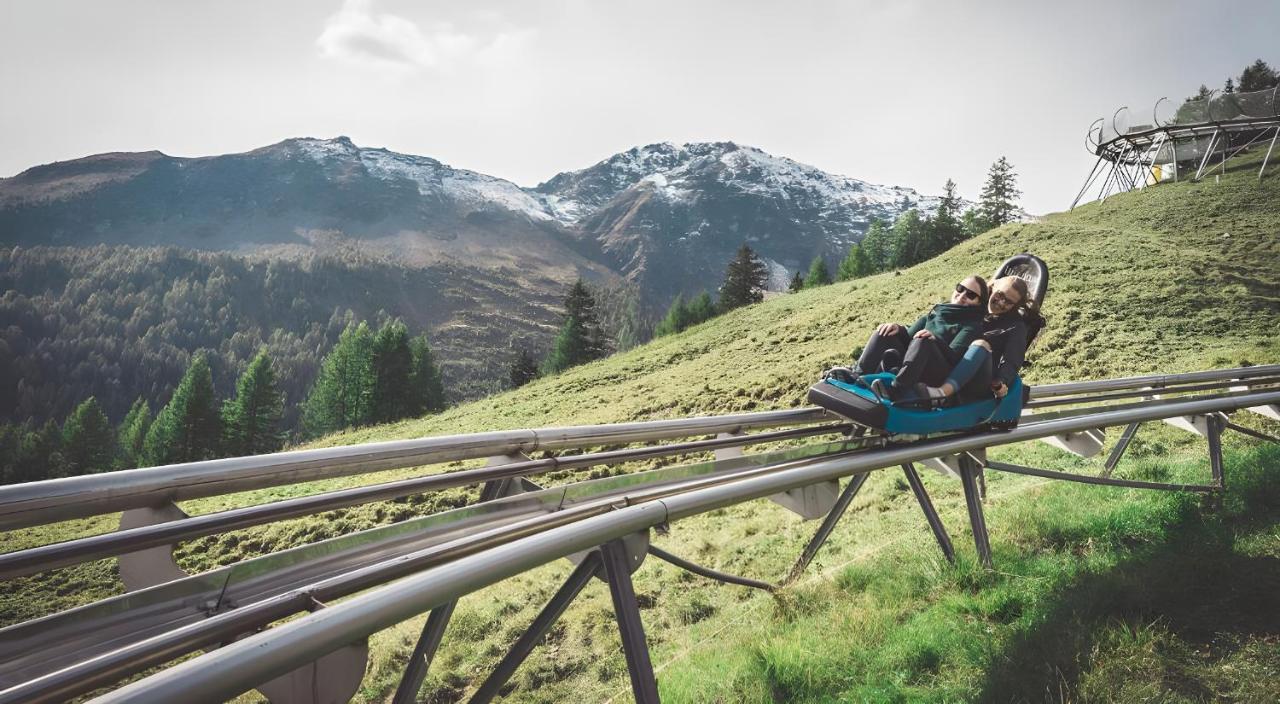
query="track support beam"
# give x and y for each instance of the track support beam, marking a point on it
(1117, 452)
(930, 513)
(627, 611)
(828, 525)
(578, 579)
(969, 470)
(423, 653)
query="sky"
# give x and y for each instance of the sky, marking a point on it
(904, 93)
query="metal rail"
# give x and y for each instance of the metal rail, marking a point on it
(38, 503)
(239, 666)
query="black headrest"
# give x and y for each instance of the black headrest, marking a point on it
(1030, 269)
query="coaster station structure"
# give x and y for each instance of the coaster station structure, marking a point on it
(1193, 141)
(294, 624)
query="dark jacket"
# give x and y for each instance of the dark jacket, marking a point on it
(955, 325)
(1007, 335)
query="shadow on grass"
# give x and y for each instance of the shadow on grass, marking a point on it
(1195, 586)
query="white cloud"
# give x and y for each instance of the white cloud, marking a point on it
(358, 34)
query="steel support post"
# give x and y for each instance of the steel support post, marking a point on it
(828, 524)
(643, 684)
(1208, 152)
(930, 513)
(420, 661)
(578, 579)
(969, 471)
(1175, 158)
(1088, 181)
(1118, 451)
(1214, 436)
(1267, 158)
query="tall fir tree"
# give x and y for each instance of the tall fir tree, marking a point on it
(947, 227)
(524, 368)
(744, 280)
(88, 441)
(392, 364)
(132, 434)
(188, 428)
(580, 339)
(797, 282)
(251, 420)
(40, 453)
(579, 303)
(818, 274)
(999, 200)
(877, 245)
(425, 380)
(855, 264)
(342, 395)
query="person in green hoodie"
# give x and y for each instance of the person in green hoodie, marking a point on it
(944, 332)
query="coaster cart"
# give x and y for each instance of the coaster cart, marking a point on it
(860, 404)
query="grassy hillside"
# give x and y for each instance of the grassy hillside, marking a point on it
(1174, 278)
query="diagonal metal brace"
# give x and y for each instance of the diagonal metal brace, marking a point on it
(578, 579)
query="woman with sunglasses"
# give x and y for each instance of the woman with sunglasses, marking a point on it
(1002, 345)
(945, 331)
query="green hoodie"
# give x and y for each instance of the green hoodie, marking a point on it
(955, 325)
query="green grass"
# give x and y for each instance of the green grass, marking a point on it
(1174, 278)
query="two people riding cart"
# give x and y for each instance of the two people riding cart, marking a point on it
(956, 368)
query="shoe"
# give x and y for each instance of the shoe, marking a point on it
(885, 390)
(932, 394)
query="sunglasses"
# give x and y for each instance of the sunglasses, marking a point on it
(968, 293)
(1001, 297)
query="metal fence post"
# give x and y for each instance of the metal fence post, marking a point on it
(631, 629)
(1214, 436)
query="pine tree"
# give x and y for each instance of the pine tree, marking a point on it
(188, 428)
(251, 421)
(999, 201)
(580, 304)
(342, 396)
(701, 309)
(132, 434)
(972, 223)
(392, 365)
(878, 248)
(425, 381)
(88, 442)
(676, 319)
(908, 239)
(855, 264)
(40, 454)
(818, 274)
(1229, 86)
(579, 340)
(947, 229)
(1258, 76)
(744, 280)
(524, 368)
(797, 282)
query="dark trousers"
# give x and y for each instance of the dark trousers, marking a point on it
(884, 352)
(927, 359)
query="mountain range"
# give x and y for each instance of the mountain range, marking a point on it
(664, 217)
(116, 268)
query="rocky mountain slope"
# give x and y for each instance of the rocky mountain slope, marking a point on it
(668, 217)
